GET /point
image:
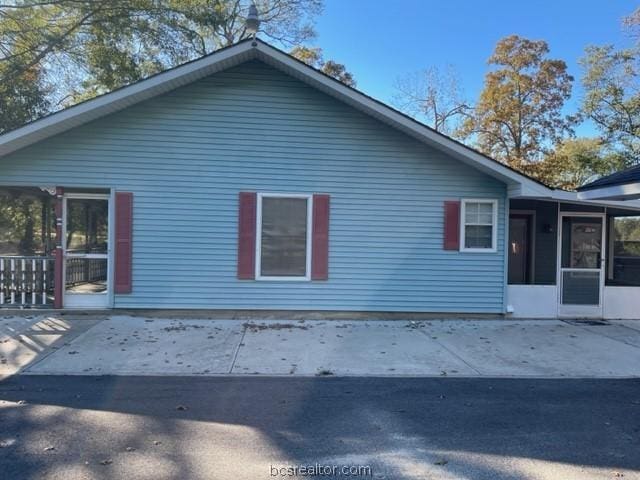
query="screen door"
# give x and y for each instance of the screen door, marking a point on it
(582, 266)
(86, 250)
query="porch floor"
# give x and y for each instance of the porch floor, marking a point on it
(127, 345)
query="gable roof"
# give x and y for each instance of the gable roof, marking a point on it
(244, 51)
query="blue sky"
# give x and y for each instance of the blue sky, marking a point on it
(379, 40)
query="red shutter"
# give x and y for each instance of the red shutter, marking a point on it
(124, 236)
(247, 236)
(451, 225)
(320, 238)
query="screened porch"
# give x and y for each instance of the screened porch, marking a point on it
(27, 247)
(573, 259)
(33, 221)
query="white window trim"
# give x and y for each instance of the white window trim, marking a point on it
(494, 229)
(307, 276)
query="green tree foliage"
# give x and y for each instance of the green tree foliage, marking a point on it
(519, 115)
(23, 98)
(88, 47)
(26, 224)
(314, 58)
(627, 236)
(575, 161)
(611, 99)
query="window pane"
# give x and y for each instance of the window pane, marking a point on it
(284, 237)
(478, 236)
(485, 218)
(478, 213)
(485, 208)
(471, 213)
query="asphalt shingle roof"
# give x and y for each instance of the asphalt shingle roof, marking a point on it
(630, 175)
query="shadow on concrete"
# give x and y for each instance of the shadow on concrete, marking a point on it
(403, 427)
(27, 339)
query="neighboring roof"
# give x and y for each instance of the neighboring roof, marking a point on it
(629, 175)
(623, 185)
(241, 52)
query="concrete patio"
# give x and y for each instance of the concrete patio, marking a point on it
(133, 345)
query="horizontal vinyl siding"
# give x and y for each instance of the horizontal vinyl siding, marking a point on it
(187, 154)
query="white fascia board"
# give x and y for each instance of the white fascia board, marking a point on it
(628, 191)
(574, 197)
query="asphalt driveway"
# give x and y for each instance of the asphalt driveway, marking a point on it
(133, 345)
(144, 428)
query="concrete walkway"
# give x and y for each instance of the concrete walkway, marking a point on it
(127, 345)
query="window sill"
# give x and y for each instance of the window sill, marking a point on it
(478, 250)
(282, 279)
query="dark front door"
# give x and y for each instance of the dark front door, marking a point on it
(519, 249)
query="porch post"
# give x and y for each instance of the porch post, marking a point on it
(58, 278)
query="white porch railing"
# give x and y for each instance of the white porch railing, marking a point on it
(26, 281)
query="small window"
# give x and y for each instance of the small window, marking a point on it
(283, 243)
(478, 225)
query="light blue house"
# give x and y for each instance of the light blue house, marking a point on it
(247, 180)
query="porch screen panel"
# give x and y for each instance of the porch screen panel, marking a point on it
(624, 253)
(87, 226)
(580, 288)
(284, 237)
(85, 275)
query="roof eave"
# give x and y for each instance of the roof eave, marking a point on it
(621, 192)
(517, 183)
(124, 97)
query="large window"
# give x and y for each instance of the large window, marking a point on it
(478, 225)
(624, 251)
(284, 237)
